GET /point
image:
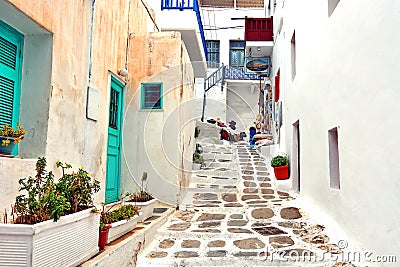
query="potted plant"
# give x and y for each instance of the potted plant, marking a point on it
(52, 219)
(114, 223)
(198, 160)
(142, 199)
(196, 131)
(9, 137)
(281, 167)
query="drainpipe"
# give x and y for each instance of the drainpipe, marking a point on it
(91, 42)
(86, 124)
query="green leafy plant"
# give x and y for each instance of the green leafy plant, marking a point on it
(123, 213)
(197, 155)
(78, 187)
(45, 199)
(198, 158)
(279, 161)
(9, 132)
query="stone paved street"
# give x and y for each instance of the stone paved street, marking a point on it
(235, 216)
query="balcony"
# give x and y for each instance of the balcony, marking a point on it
(258, 29)
(190, 25)
(178, 4)
(237, 73)
(259, 37)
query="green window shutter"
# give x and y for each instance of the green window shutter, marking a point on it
(152, 97)
(11, 44)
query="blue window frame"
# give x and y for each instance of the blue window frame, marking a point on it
(152, 96)
(236, 54)
(11, 45)
(212, 54)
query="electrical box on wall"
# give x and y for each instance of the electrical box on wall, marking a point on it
(93, 103)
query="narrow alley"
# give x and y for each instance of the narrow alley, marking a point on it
(235, 216)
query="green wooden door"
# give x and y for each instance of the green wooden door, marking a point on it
(11, 45)
(114, 141)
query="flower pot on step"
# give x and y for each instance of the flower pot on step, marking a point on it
(103, 236)
(196, 166)
(281, 172)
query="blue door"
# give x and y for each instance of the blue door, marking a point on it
(114, 141)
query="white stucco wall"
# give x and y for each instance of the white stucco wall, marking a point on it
(347, 72)
(242, 104)
(159, 142)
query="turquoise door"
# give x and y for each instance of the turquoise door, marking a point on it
(114, 141)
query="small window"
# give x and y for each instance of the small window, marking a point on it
(114, 108)
(334, 158)
(236, 54)
(151, 96)
(331, 6)
(212, 54)
(293, 54)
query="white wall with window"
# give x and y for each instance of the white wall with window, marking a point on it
(33, 85)
(26, 98)
(226, 25)
(344, 93)
(238, 101)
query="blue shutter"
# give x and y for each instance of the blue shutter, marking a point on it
(11, 43)
(152, 97)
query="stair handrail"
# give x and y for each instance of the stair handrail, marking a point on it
(216, 77)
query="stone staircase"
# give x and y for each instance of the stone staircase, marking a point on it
(234, 216)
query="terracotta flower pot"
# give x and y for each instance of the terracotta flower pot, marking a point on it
(282, 172)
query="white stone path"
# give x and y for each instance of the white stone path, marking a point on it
(234, 216)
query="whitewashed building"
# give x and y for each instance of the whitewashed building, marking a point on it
(338, 63)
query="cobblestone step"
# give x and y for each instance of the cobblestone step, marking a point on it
(235, 216)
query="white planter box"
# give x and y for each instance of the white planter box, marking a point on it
(68, 242)
(120, 228)
(146, 208)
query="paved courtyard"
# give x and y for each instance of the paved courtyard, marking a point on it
(235, 216)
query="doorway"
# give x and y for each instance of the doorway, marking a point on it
(114, 141)
(296, 157)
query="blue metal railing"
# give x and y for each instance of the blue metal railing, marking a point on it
(191, 5)
(209, 82)
(214, 78)
(235, 73)
(177, 4)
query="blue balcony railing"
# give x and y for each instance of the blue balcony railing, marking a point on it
(183, 5)
(177, 4)
(237, 73)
